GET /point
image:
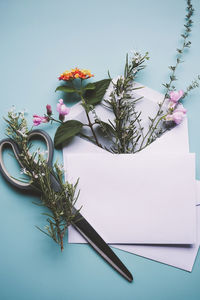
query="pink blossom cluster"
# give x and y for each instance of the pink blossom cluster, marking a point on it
(61, 108)
(176, 110)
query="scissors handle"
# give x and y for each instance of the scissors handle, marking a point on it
(48, 141)
(10, 142)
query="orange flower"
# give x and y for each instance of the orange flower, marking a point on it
(75, 73)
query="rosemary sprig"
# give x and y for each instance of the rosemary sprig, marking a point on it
(126, 129)
(60, 203)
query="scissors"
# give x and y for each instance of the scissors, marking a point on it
(80, 223)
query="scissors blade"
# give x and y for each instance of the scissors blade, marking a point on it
(94, 239)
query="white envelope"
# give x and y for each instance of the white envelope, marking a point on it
(137, 199)
(179, 257)
(178, 139)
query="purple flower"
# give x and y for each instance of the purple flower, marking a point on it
(175, 96)
(37, 120)
(62, 109)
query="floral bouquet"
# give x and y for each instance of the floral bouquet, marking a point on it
(124, 131)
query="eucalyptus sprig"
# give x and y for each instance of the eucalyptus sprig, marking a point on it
(34, 165)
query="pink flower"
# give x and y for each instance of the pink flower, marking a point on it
(37, 120)
(49, 110)
(175, 96)
(178, 114)
(181, 108)
(62, 109)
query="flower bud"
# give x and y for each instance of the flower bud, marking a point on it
(49, 110)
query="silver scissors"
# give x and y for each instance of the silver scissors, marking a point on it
(80, 223)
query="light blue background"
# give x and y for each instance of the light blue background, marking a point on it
(39, 40)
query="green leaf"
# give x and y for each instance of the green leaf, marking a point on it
(89, 86)
(109, 129)
(95, 96)
(65, 89)
(66, 131)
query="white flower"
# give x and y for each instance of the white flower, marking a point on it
(42, 153)
(24, 171)
(22, 132)
(22, 113)
(60, 167)
(35, 175)
(14, 115)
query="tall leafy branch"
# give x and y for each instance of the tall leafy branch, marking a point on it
(149, 136)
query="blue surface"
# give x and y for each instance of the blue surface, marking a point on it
(39, 40)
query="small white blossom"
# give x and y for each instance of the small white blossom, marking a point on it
(14, 115)
(35, 175)
(22, 114)
(22, 132)
(24, 171)
(60, 167)
(42, 153)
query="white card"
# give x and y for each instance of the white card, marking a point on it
(139, 198)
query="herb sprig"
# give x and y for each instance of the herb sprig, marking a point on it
(60, 203)
(125, 130)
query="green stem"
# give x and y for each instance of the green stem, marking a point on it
(149, 138)
(52, 119)
(90, 124)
